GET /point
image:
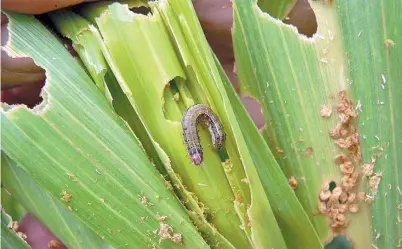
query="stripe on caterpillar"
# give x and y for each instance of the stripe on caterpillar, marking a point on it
(200, 114)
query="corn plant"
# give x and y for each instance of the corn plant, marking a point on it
(102, 163)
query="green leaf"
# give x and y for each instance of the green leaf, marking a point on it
(205, 77)
(152, 98)
(285, 93)
(65, 21)
(203, 82)
(254, 154)
(11, 205)
(293, 76)
(74, 144)
(80, 31)
(373, 43)
(9, 238)
(47, 209)
(295, 226)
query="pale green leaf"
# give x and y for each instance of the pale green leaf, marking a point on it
(200, 67)
(373, 43)
(295, 226)
(145, 79)
(73, 143)
(67, 25)
(11, 205)
(293, 77)
(57, 218)
(80, 31)
(285, 206)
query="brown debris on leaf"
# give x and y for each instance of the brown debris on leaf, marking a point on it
(347, 168)
(326, 111)
(177, 238)
(325, 193)
(167, 232)
(348, 142)
(341, 199)
(335, 204)
(389, 42)
(53, 244)
(144, 200)
(161, 217)
(293, 182)
(341, 158)
(65, 196)
(367, 169)
(345, 105)
(345, 132)
(13, 225)
(349, 181)
(373, 183)
(308, 151)
(374, 179)
(347, 138)
(22, 235)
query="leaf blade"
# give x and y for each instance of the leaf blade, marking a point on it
(57, 218)
(9, 238)
(295, 76)
(377, 85)
(87, 145)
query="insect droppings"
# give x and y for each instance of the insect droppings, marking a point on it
(200, 114)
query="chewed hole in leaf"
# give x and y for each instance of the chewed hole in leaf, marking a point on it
(301, 16)
(254, 108)
(28, 94)
(173, 105)
(141, 10)
(22, 80)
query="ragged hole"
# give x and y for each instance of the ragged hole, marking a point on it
(141, 10)
(173, 105)
(27, 94)
(21, 79)
(300, 15)
(254, 109)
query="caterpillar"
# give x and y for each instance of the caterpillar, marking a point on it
(200, 114)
